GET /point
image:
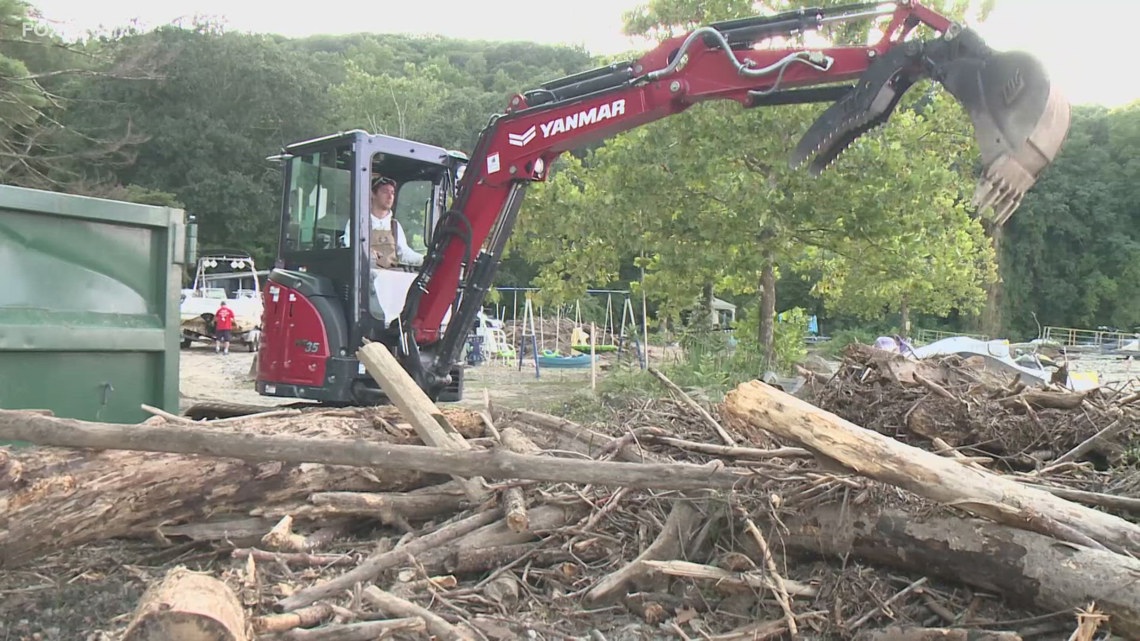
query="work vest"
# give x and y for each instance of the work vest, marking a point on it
(382, 244)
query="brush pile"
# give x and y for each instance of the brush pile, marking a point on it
(765, 517)
(989, 414)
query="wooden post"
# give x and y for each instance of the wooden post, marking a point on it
(593, 361)
(644, 322)
(430, 424)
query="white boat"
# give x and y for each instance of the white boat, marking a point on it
(223, 276)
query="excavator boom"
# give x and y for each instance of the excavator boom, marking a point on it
(1020, 122)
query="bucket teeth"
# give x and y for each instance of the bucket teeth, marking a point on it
(1001, 187)
(868, 105)
(1020, 122)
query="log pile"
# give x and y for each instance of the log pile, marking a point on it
(365, 523)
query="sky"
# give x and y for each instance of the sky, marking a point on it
(1060, 32)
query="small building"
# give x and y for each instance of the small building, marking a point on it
(723, 313)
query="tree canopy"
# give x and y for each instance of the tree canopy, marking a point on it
(698, 204)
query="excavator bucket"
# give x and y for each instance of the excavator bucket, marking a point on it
(1020, 122)
(1020, 119)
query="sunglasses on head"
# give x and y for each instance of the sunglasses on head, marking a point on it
(380, 182)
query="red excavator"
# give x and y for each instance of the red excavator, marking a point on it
(326, 296)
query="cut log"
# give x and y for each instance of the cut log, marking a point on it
(514, 506)
(1041, 399)
(498, 463)
(543, 518)
(303, 618)
(756, 407)
(54, 498)
(428, 421)
(516, 441)
(417, 505)
(1028, 569)
(513, 498)
(463, 560)
(188, 606)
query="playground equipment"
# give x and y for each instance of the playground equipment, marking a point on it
(580, 340)
(553, 359)
(619, 339)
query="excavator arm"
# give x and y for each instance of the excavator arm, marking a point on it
(1020, 122)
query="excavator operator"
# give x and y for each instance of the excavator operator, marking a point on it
(386, 240)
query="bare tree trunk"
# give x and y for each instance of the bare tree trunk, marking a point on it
(904, 320)
(707, 305)
(756, 410)
(992, 318)
(768, 310)
(1025, 568)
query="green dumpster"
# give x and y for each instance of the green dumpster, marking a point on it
(89, 297)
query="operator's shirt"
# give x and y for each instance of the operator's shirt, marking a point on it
(404, 252)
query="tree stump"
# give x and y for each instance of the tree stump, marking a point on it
(188, 606)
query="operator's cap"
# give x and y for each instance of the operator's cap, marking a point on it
(382, 180)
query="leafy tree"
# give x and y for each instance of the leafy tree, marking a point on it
(405, 106)
(706, 201)
(43, 79)
(1072, 251)
(933, 256)
(225, 102)
(695, 205)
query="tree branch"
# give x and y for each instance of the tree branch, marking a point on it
(85, 72)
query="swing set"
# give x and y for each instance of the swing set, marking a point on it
(613, 339)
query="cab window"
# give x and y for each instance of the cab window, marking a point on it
(320, 199)
(412, 201)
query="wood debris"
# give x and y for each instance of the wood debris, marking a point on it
(823, 518)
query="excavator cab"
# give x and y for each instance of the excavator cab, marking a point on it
(325, 295)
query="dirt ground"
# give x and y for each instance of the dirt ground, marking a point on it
(227, 378)
(1112, 370)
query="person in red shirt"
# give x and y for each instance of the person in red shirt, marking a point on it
(223, 326)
